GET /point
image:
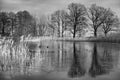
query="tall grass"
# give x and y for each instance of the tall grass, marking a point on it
(16, 60)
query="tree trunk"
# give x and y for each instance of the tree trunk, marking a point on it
(12, 28)
(95, 32)
(3, 31)
(74, 32)
(58, 33)
(62, 33)
(105, 34)
(12, 31)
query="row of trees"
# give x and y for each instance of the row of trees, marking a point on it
(75, 19)
(78, 17)
(21, 23)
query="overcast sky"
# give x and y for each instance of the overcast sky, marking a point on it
(39, 7)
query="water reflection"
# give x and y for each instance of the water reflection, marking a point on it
(31, 50)
(76, 69)
(96, 67)
(62, 59)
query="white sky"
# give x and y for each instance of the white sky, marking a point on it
(39, 7)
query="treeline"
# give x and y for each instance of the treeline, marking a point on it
(21, 23)
(75, 19)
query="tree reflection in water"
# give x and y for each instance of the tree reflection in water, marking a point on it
(76, 69)
(58, 59)
(100, 65)
(1, 77)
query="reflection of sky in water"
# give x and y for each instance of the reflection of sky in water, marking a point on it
(61, 59)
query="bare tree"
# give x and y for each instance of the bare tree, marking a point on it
(63, 22)
(110, 22)
(76, 17)
(55, 18)
(97, 15)
(42, 25)
(58, 18)
(52, 27)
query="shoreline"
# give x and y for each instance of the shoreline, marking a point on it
(110, 40)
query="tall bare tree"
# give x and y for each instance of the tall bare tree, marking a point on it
(63, 21)
(58, 18)
(110, 22)
(55, 18)
(42, 25)
(76, 17)
(52, 27)
(97, 15)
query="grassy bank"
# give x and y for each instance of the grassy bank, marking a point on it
(112, 39)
